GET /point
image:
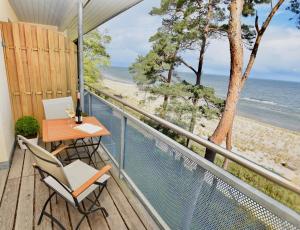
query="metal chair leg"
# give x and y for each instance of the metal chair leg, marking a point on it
(44, 207)
(77, 227)
(48, 214)
(104, 212)
(55, 220)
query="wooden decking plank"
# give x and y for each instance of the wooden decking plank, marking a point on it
(28, 169)
(114, 219)
(141, 211)
(41, 194)
(3, 179)
(9, 203)
(24, 218)
(127, 212)
(17, 164)
(11, 192)
(75, 216)
(60, 212)
(139, 208)
(98, 221)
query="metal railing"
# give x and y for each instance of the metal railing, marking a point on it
(207, 144)
(178, 186)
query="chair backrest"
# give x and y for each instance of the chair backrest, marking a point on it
(56, 108)
(46, 161)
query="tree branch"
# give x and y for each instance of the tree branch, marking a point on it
(187, 65)
(260, 34)
(256, 23)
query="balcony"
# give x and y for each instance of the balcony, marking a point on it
(156, 184)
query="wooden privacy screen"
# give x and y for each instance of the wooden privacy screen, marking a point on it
(40, 63)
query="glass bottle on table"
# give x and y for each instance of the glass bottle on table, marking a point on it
(78, 113)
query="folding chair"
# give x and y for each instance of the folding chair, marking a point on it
(75, 182)
(56, 108)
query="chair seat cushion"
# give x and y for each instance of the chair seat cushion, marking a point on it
(77, 173)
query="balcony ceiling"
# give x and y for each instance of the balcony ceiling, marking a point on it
(63, 13)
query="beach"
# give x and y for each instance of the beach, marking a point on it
(275, 148)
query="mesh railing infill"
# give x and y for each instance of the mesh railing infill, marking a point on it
(112, 121)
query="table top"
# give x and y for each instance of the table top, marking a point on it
(61, 130)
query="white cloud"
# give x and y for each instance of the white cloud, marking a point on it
(279, 51)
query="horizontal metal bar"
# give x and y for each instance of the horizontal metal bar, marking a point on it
(212, 146)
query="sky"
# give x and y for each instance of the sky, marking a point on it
(278, 56)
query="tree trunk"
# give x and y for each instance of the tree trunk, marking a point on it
(204, 43)
(193, 119)
(201, 60)
(166, 97)
(228, 147)
(237, 79)
(236, 68)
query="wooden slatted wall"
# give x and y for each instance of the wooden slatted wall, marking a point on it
(40, 63)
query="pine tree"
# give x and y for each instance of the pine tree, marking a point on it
(238, 77)
(94, 55)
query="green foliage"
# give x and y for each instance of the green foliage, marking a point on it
(294, 7)
(192, 22)
(250, 6)
(182, 104)
(94, 55)
(27, 126)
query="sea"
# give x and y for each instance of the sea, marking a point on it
(269, 101)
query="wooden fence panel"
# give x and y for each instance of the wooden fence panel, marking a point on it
(41, 63)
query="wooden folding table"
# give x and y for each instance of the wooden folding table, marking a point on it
(63, 130)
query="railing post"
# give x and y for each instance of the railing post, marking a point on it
(80, 52)
(90, 105)
(122, 153)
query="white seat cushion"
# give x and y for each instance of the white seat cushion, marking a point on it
(77, 173)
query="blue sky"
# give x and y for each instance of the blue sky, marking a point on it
(278, 57)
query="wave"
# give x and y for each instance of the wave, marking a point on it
(259, 101)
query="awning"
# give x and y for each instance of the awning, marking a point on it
(63, 13)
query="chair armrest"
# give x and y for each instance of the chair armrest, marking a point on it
(59, 149)
(91, 181)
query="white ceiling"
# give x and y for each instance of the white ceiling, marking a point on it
(63, 13)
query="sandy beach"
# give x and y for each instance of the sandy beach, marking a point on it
(264, 144)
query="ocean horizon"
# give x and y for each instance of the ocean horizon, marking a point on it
(270, 101)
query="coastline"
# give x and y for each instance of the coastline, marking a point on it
(276, 145)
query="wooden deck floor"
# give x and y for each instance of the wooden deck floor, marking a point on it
(22, 196)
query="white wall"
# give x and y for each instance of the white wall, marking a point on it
(6, 12)
(7, 134)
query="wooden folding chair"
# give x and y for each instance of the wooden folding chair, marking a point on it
(75, 182)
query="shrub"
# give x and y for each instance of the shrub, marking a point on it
(27, 126)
